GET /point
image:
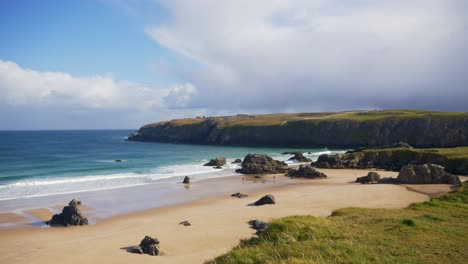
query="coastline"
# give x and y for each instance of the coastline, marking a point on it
(218, 221)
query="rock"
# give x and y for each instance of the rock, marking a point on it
(218, 167)
(426, 174)
(185, 223)
(267, 199)
(258, 225)
(186, 180)
(117, 160)
(329, 161)
(150, 246)
(388, 180)
(70, 215)
(306, 171)
(239, 195)
(237, 161)
(218, 161)
(261, 164)
(136, 249)
(372, 177)
(298, 156)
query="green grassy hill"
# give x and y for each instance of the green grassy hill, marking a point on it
(430, 232)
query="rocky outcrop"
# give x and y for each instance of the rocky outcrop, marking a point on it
(390, 159)
(369, 129)
(267, 199)
(372, 177)
(70, 215)
(216, 162)
(306, 171)
(186, 180)
(299, 157)
(261, 164)
(148, 245)
(237, 161)
(426, 174)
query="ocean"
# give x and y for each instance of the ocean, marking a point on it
(46, 163)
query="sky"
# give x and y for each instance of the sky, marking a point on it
(105, 64)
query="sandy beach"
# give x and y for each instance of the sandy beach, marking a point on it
(218, 222)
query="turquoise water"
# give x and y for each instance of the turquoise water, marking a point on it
(42, 163)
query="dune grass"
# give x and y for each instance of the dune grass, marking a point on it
(430, 232)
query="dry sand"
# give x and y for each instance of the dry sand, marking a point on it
(217, 223)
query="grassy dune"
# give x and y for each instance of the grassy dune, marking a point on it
(429, 232)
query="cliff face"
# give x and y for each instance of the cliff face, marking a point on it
(343, 130)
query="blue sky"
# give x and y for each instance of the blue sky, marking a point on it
(83, 37)
(79, 64)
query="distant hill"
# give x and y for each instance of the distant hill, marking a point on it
(348, 129)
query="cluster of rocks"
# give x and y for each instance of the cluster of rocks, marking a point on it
(216, 162)
(334, 161)
(306, 171)
(415, 174)
(299, 157)
(148, 245)
(262, 164)
(70, 215)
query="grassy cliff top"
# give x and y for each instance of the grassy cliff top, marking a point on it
(450, 153)
(283, 119)
(428, 232)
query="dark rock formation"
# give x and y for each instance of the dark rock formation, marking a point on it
(418, 129)
(258, 225)
(185, 223)
(426, 174)
(70, 215)
(267, 199)
(372, 177)
(118, 160)
(239, 195)
(237, 161)
(326, 161)
(148, 246)
(306, 171)
(261, 164)
(186, 180)
(218, 161)
(298, 156)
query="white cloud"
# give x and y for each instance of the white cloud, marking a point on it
(179, 95)
(321, 54)
(21, 87)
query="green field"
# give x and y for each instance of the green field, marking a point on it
(430, 232)
(279, 119)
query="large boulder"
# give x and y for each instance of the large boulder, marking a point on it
(261, 164)
(70, 215)
(298, 156)
(216, 162)
(306, 171)
(150, 246)
(372, 177)
(329, 161)
(267, 199)
(426, 174)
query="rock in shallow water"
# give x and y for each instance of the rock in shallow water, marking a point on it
(218, 161)
(298, 156)
(70, 215)
(186, 180)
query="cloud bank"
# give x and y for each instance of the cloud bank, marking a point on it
(276, 55)
(30, 98)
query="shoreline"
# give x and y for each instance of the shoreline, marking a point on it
(218, 223)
